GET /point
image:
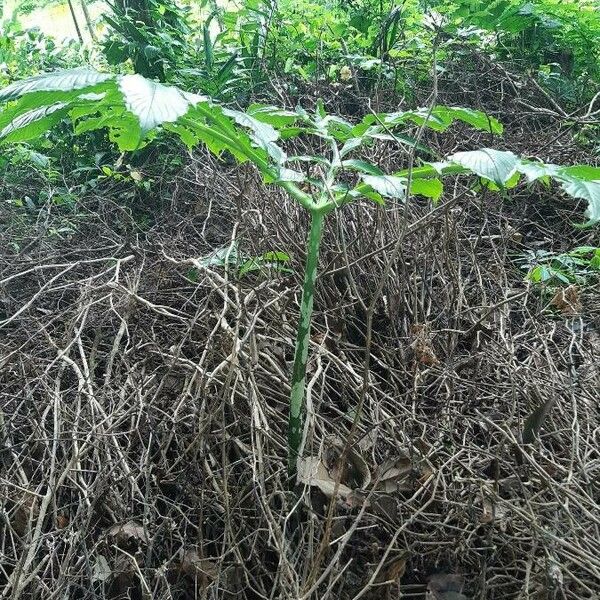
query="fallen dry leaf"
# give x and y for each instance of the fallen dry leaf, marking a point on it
(126, 534)
(312, 471)
(101, 570)
(422, 345)
(393, 569)
(567, 301)
(193, 565)
(61, 521)
(355, 473)
(25, 512)
(394, 475)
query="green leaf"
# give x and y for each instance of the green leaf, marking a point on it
(290, 175)
(536, 170)
(33, 123)
(263, 134)
(440, 118)
(350, 145)
(475, 118)
(496, 165)
(586, 190)
(272, 115)
(430, 188)
(585, 172)
(221, 256)
(363, 166)
(386, 185)
(58, 81)
(154, 103)
(208, 47)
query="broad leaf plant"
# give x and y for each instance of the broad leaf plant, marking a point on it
(133, 109)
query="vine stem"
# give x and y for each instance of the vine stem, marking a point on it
(295, 427)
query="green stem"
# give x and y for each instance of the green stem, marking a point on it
(295, 427)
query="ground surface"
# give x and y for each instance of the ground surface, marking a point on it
(143, 396)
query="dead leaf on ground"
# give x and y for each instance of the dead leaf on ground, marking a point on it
(422, 345)
(25, 512)
(127, 534)
(535, 421)
(193, 565)
(393, 569)
(124, 575)
(312, 471)
(355, 473)
(567, 301)
(101, 570)
(62, 521)
(394, 475)
(385, 505)
(492, 512)
(402, 474)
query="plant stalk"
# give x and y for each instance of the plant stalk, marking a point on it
(296, 421)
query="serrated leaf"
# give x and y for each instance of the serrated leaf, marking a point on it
(276, 117)
(263, 134)
(496, 165)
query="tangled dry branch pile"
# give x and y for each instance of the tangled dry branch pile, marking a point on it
(144, 403)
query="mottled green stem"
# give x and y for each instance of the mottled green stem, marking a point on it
(295, 427)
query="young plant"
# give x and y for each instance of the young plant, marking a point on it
(551, 268)
(132, 108)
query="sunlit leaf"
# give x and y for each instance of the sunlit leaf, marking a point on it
(58, 81)
(496, 165)
(386, 185)
(430, 188)
(586, 190)
(154, 103)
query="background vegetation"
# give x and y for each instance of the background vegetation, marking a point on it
(162, 166)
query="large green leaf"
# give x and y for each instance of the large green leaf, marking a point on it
(430, 188)
(536, 170)
(440, 118)
(33, 123)
(386, 185)
(362, 166)
(496, 165)
(154, 103)
(475, 118)
(586, 190)
(263, 134)
(58, 81)
(584, 172)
